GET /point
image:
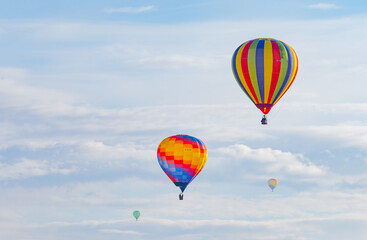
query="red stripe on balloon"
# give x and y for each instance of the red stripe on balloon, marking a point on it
(246, 74)
(276, 69)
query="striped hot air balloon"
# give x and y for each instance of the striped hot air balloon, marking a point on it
(182, 157)
(265, 68)
(272, 183)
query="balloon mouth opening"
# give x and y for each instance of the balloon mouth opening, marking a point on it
(181, 185)
(264, 107)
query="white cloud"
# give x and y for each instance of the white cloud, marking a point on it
(273, 160)
(130, 9)
(126, 155)
(344, 135)
(324, 6)
(13, 73)
(82, 201)
(30, 168)
(147, 58)
(117, 231)
(105, 207)
(276, 229)
(159, 200)
(177, 61)
(17, 96)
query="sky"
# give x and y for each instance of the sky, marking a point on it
(90, 88)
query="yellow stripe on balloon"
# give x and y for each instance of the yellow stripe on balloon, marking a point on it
(268, 68)
(204, 157)
(240, 72)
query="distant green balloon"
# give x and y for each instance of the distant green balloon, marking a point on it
(136, 214)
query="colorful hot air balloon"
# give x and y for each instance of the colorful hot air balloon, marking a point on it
(265, 68)
(136, 214)
(182, 157)
(272, 183)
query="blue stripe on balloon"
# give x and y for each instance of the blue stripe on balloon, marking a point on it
(289, 70)
(163, 163)
(260, 67)
(181, 176)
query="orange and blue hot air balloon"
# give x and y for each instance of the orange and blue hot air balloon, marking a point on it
(265, 68)
(182, 157)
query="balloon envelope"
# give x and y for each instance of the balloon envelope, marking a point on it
(182, 157)
(272, 183)
(136, 214)
(264, 68)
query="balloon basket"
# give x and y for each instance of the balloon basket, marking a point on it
(264, 121)
(180, 196)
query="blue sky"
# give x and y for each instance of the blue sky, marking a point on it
(177, 11)
(89, 89)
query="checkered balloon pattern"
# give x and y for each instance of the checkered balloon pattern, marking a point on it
(182, 157)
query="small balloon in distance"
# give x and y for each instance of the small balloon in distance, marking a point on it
(136, 214)
(272, 183)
